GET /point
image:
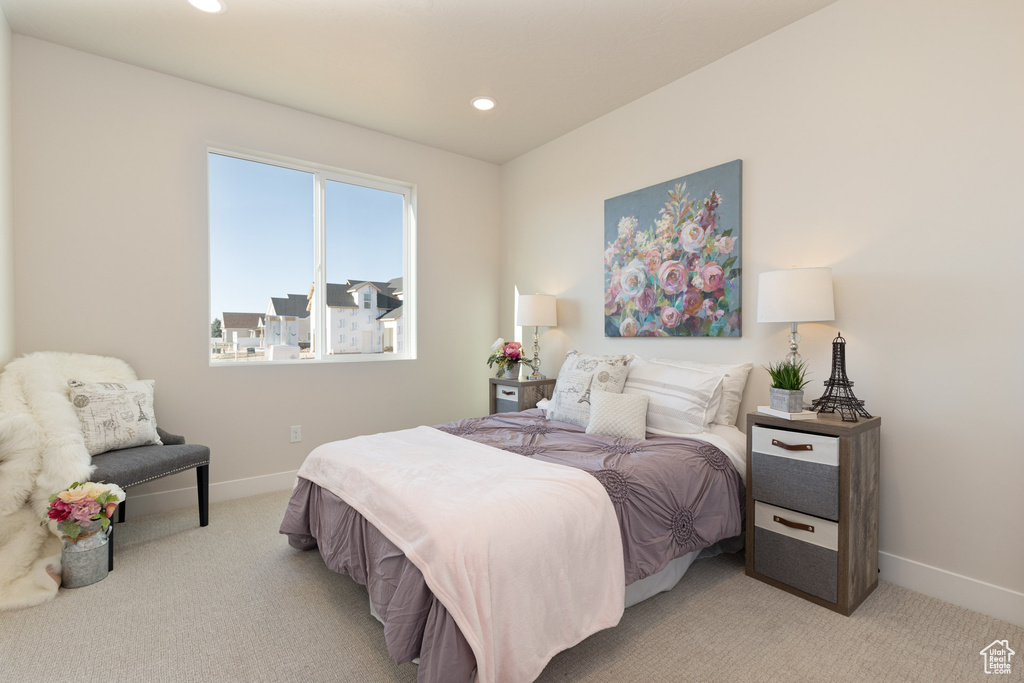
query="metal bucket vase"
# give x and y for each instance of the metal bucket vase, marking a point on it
(512, 371)
(84, 560)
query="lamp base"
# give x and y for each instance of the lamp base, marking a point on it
(535, 376)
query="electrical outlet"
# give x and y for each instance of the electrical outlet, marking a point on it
(296, 433)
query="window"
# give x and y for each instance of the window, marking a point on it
(301, 246)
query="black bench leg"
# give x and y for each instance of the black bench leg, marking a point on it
(120, 512)
(110, 548)
(203, 482)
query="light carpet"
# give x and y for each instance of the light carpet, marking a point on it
(233, 602)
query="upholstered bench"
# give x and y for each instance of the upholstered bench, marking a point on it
(130, 466)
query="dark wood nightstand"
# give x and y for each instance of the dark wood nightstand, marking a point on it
(812, 507)
(514, 395)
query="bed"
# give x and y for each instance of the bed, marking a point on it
(673, 497)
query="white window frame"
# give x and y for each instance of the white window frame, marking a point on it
(322, 174)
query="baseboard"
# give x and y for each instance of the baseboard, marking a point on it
(164, 501)
(995, 601)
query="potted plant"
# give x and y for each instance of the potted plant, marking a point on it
(788, 382)
(507, 355)
(83, 513)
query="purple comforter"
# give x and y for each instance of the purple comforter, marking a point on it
(671, 495)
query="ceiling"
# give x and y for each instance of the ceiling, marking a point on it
(409, 68)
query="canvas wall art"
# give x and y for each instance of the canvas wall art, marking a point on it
(672, 257)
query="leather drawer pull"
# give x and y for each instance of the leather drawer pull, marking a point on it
(508, 393)
(797, 447)
(792, 525)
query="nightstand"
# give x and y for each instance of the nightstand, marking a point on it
(812, 507)
(514, 395)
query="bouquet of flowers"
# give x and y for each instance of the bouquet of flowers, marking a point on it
(506, 354)
(82, 505)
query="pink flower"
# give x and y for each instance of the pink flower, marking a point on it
(59, 510)
(712, 276)
(692, 261)
(513, 350)
(645, 302)
(611, 298)
(691, 301)
(718, 315)
(725, 245)
(628, 327)
(110, 510)
(653, 260)
(670, 317)
(83, 512)
(672, 277)
(692, 237)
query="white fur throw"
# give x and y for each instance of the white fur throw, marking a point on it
(41, 452)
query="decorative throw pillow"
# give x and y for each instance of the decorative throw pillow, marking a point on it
(580, 375)
(735, 379)
(115, 415)
(681, 399)
(622, 415)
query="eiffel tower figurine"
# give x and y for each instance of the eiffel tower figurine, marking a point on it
(839, 394)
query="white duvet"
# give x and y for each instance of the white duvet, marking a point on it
(525, 555)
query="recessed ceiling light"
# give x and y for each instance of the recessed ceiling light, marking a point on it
(483, 103)
(211, 6)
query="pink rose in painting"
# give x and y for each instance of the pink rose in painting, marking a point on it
(645, 302)
(633, 280)
(672, 277)
(670, 317)
(725, 245)
(628, 327)
(718, 314)
(691, 301)
(712, 276)
(709, 306)
(611, 298)
(692, 262)
(653, 260)
(692, 237)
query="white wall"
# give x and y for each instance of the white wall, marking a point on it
(884, 140)
(110, 223)
(6, 221)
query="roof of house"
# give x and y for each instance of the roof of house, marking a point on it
(343, 295)
(396, 285)
(243, 321)
(294, 305)
(393, 314)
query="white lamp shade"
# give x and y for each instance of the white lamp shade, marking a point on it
(536, 310)
(796, 295)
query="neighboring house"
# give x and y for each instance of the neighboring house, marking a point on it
(241, 326)
(287, 321)
(355, 316)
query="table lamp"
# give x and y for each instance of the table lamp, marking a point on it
(536, 310)
(797, 295)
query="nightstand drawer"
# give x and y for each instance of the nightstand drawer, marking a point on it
(506, 393)
(796, 471)
(787, 551)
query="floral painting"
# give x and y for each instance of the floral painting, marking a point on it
(672, 257)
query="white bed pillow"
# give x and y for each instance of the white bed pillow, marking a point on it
(579, 375)
(681, 400)
(622, 415)
(734, 380)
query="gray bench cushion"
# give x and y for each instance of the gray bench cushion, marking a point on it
(132, 466)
